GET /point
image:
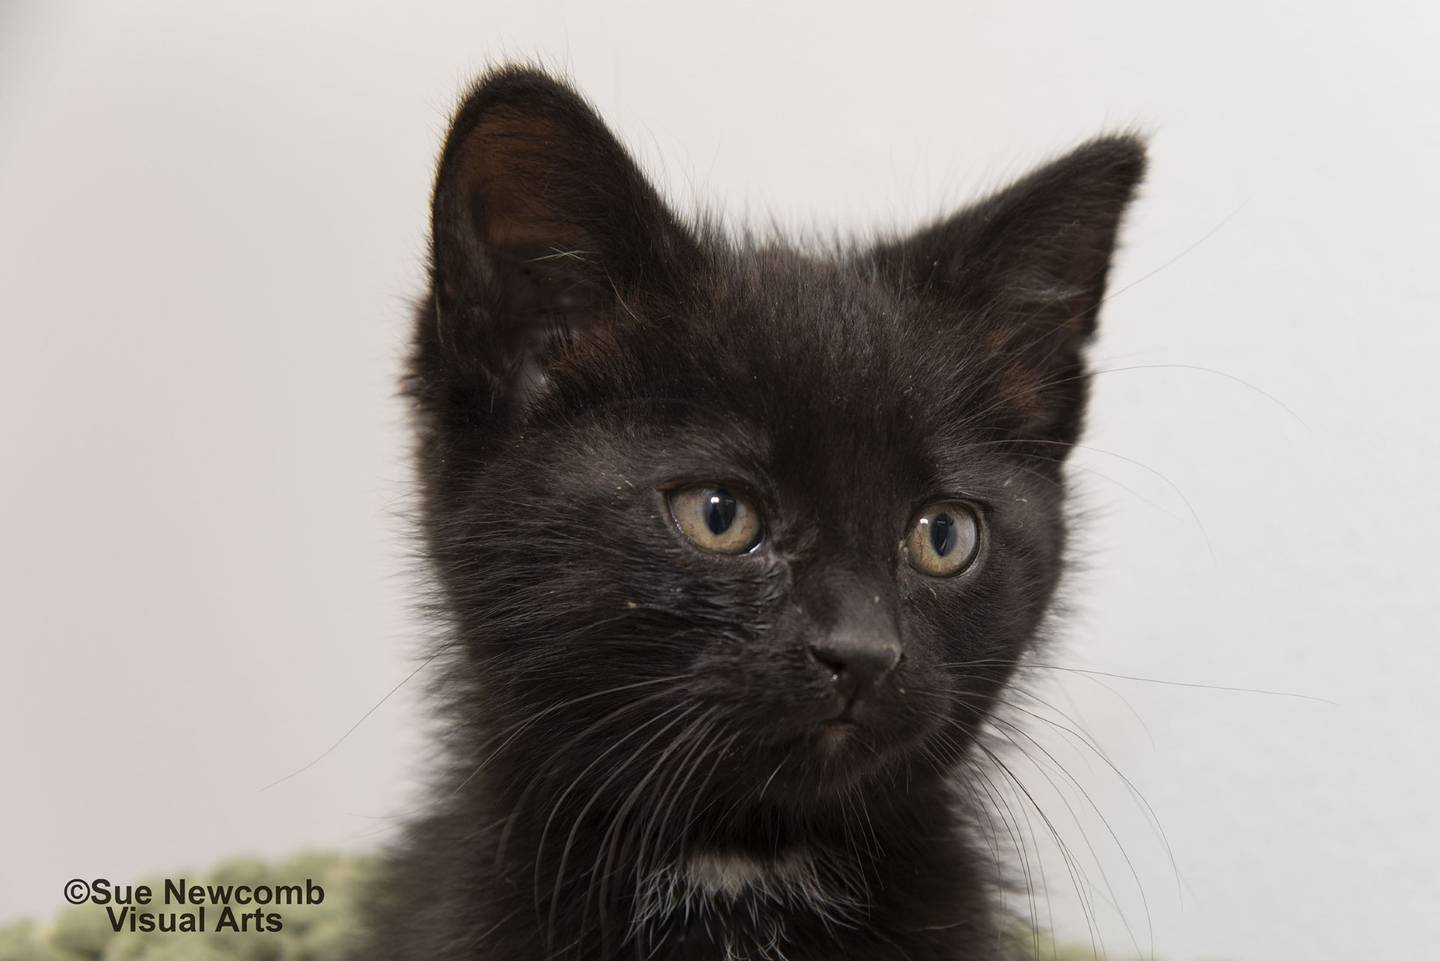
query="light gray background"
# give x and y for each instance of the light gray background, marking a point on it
(212, 216)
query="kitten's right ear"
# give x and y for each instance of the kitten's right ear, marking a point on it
(540, 223)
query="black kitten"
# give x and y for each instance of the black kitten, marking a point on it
(737, 545)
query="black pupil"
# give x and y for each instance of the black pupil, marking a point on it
(942, 534)
(719, 511)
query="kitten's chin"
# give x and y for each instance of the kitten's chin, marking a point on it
(844, 751)
(804, 759)
(835, 735)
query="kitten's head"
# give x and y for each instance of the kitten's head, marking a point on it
(797, 514)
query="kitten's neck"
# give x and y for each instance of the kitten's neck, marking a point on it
(766, 884)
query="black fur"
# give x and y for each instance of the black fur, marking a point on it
(618, 702)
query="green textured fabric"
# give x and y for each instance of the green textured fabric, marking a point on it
(318, 932)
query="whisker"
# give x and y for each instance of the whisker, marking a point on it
(529, 722)
(1190, 684)
(594, 799)
(341, 740)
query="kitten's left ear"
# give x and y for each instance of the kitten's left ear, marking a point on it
(1028, 266)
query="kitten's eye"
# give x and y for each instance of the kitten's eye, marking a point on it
(715, 519)
(943, 539)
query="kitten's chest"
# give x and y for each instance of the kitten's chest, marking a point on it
(796, 908)
(778, 936)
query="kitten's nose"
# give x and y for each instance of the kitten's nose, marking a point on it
(857, 659)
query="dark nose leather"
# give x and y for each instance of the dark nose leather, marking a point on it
(857, 641)
(857, 657)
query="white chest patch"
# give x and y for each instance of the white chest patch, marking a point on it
(728, 875)
(712, 887)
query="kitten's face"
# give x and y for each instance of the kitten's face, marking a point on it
(797, 517)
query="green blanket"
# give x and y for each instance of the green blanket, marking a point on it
(309, 932)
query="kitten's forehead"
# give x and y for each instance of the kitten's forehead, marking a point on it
(822, 349)
(803, 330)
(809, 372)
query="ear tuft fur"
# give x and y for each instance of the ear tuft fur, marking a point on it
(540, 221)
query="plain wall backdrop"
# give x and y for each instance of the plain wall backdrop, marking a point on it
(212, 218)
